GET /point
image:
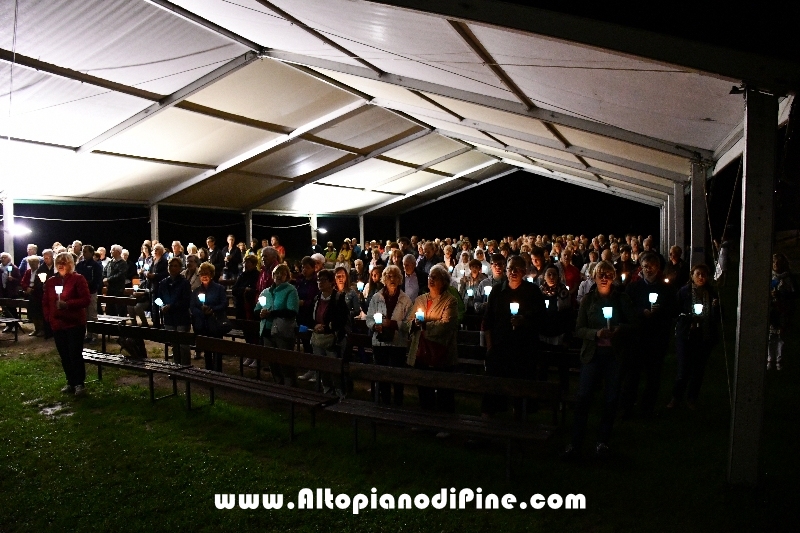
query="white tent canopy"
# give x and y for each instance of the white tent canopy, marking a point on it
(332, 106)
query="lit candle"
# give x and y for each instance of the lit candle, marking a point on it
(146, 268)
(262, 301)
(360, 285)
(9, 267)
(530, 279)
(420, 315)
(607, 313)
(378, 317)
(59, 290)
(485, 269)
(135, 284)
(514, 306)
(487, 291)
(159, 302)
(653, 298)
(666, 280)
(450, 269)
(43, 277)
(623, 277)
(202, 297)
(567, 286)
(470, 293)
(547, 304)
(698, 309)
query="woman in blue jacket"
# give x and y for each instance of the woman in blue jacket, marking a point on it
(208, 312)
(277, 307)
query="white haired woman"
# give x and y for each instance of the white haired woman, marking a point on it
(389, 346)
(433, 341)
(66, 297)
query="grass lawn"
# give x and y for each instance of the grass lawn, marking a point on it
(113, 462)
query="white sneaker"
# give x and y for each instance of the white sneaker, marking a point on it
(310, 376)
(68, 389)
(80, 390)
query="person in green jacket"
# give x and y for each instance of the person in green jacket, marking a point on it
(277, 307)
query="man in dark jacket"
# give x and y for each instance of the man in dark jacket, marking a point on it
(175, 294)
(232, 259)
(93, 272)
(215, 256)
(116, 272)
(159, 270)
(649, 347)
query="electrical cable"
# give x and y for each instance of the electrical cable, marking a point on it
(79, 219)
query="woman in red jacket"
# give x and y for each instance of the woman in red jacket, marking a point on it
(66, 297)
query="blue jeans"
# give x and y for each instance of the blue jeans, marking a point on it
(604, 366)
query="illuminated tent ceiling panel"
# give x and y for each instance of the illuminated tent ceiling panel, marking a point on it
(334, 106)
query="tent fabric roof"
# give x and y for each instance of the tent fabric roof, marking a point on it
(332, 106)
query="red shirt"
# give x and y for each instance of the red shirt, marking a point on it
(75, 294)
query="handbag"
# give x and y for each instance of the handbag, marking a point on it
(325, 341)
(283, 327)
(219, 325)
(431, 353)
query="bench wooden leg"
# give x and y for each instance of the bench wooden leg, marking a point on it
(99, 372)
(103, 343)
(291, 422)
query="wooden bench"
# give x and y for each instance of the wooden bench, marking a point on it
(162, 336)
(313, 400)
(18, 304)
(510, 431)
(241, 328)
(148, 366)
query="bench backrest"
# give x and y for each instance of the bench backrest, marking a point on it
(117, 300)
(161, 336)
(269, 355)
(517, 388)
(246, 326)
(14, 302)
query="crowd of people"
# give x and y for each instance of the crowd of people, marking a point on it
(616, 298)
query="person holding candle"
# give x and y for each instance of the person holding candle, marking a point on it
(486, 267)
(359, 273)
(245, 295)
(696, 333)
(654, 302)
(232, 258)
(372, 287)
(434, 340)
(677, 271)
(625, 267)
(66, 297)
(159, 270)
(468, 286)
(512, 338)
(497, 279)
(277, 307)
(93, 272)
(389, 346)
(331, 319)
(462, 269)
(604, 343)
(209, 303)
(32, 283)
(175, 293)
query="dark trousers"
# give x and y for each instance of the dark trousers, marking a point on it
(603, 367)
(650, 362)
(69, 343)
(520, 368)
(430, 399)
(692, 359)
(395, 357)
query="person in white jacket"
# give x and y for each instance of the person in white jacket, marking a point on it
(389, 345)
